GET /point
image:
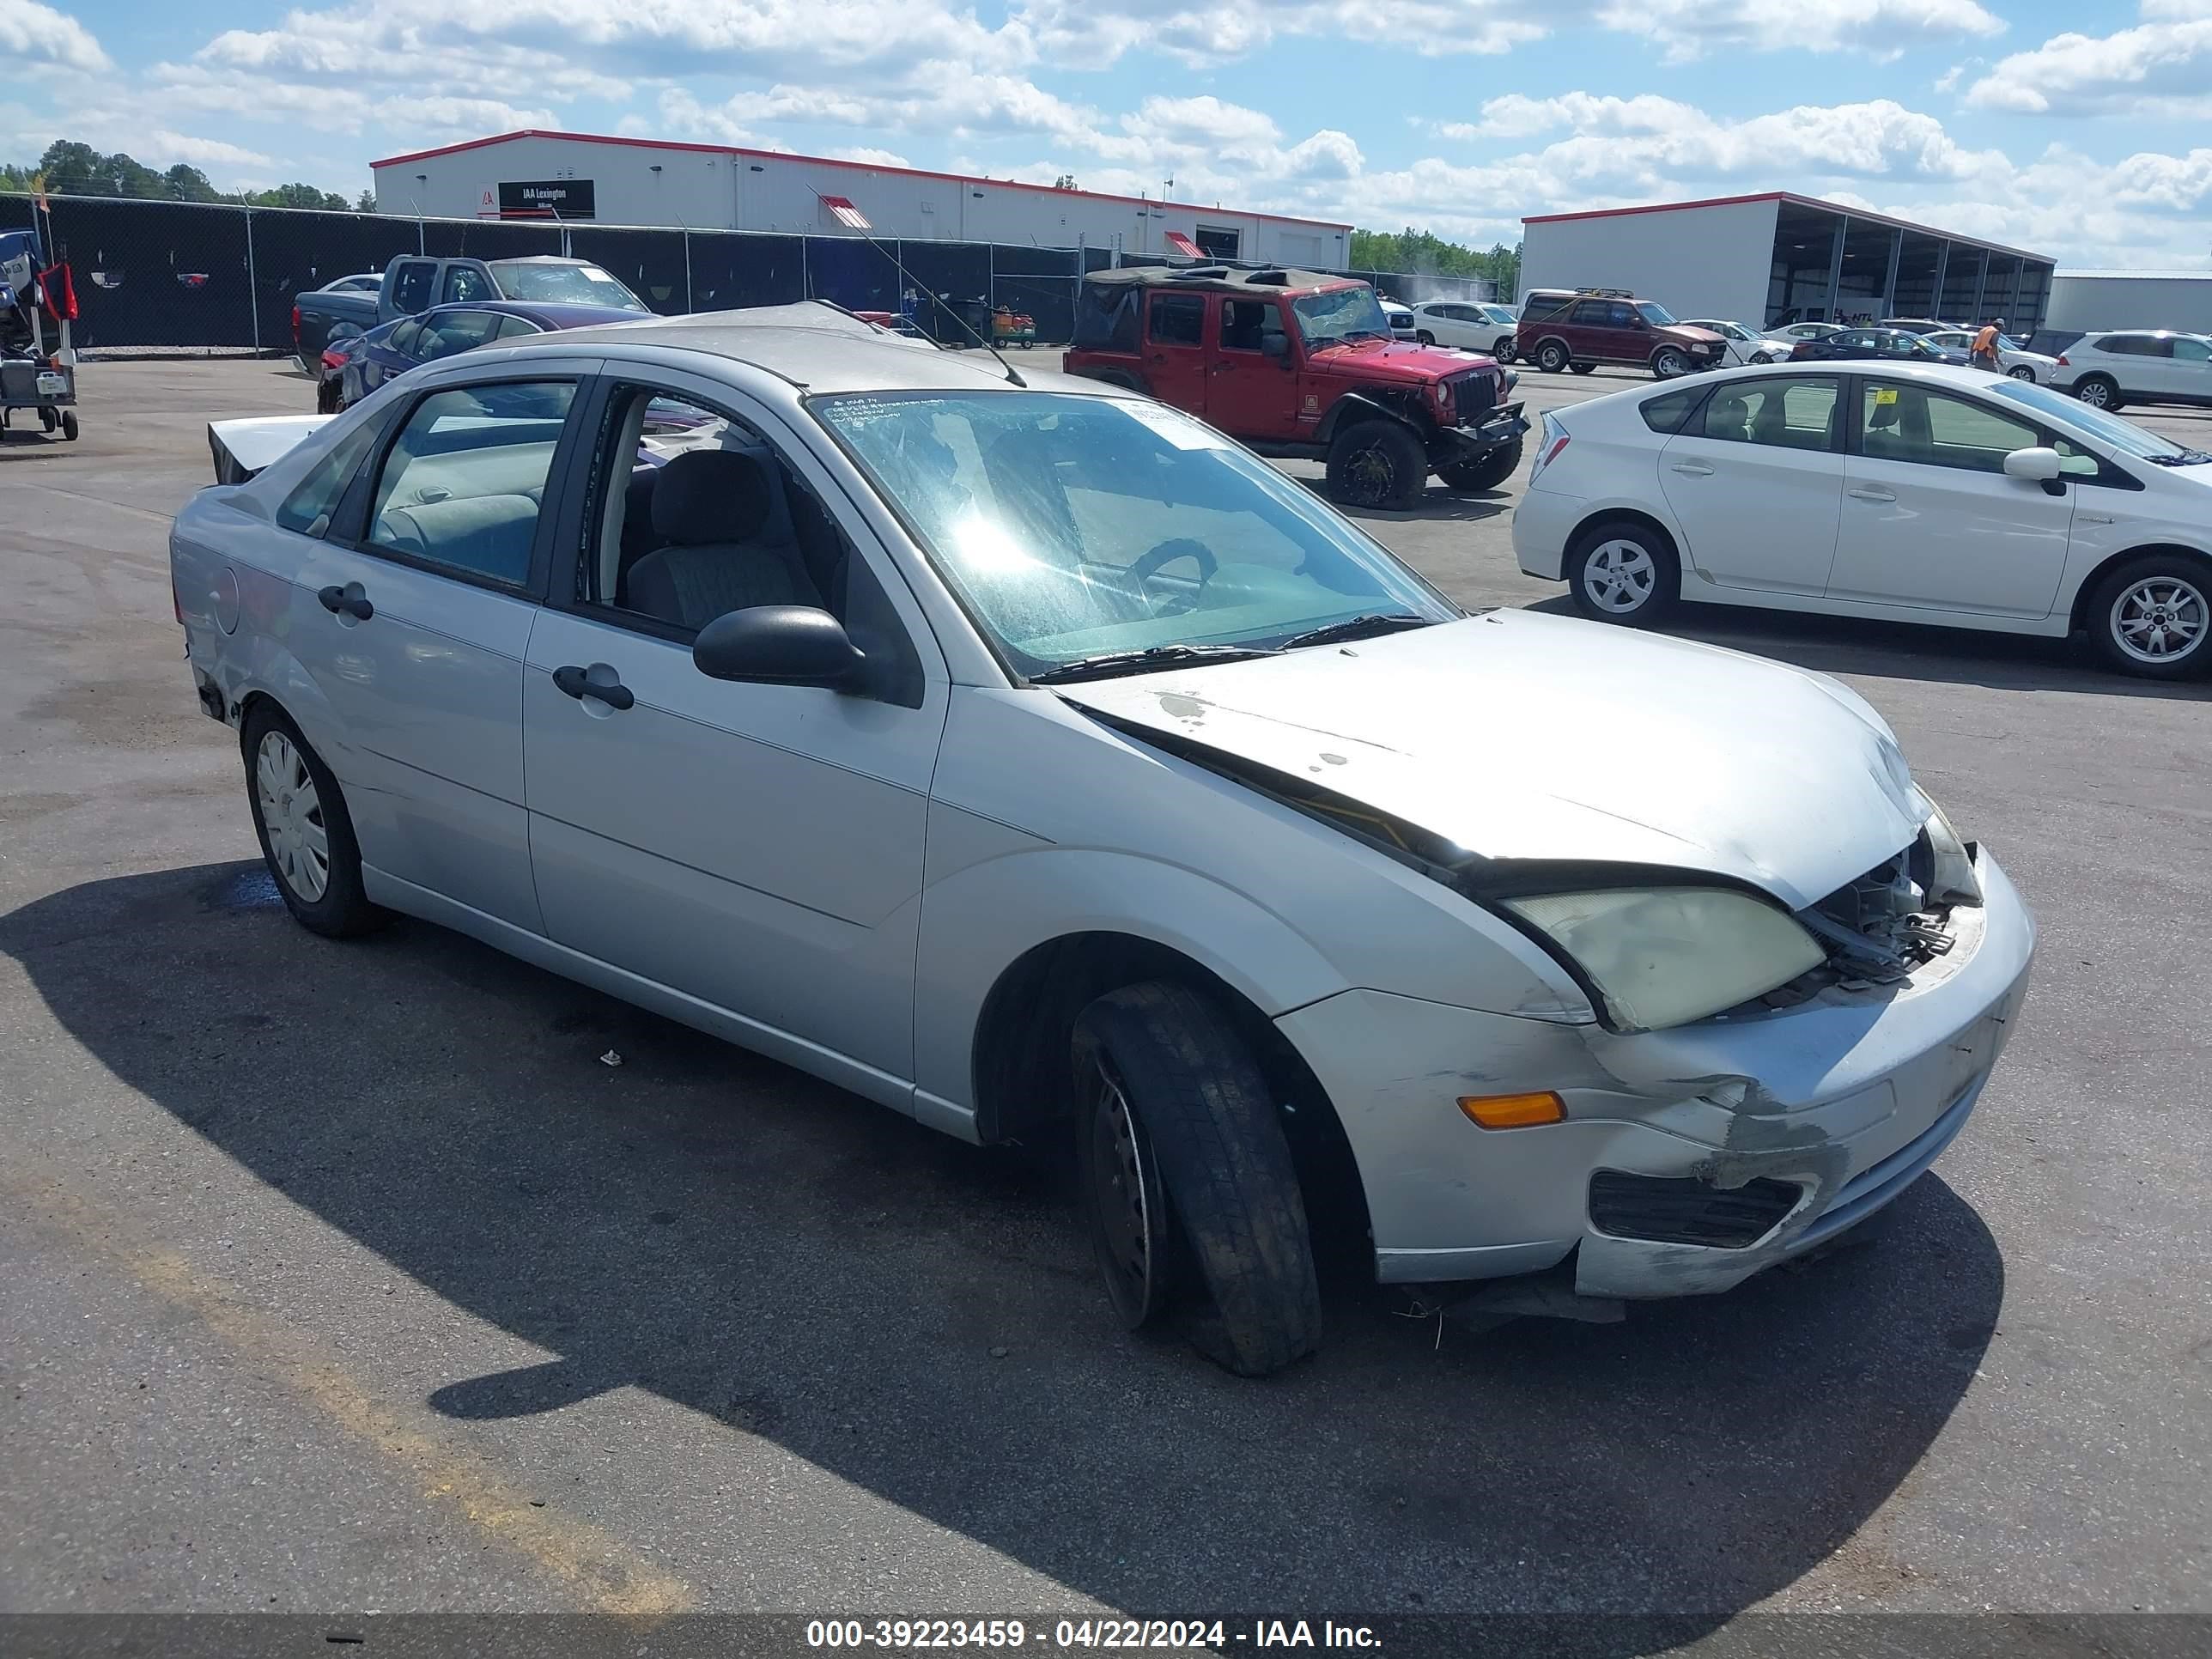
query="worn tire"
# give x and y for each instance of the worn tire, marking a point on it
(1486, 472)
(69, 427)
(1552, 357)
(2098, 391)
(1233, 1207)
(1377, 463)
(328, 391)
(2175, 580)
(1623, 572)
(342, 911)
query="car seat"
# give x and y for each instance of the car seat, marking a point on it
(710, 509)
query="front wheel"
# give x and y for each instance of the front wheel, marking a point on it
(2151, 617)
(1424, 336)
(70, 428)
(1667, 362)
(1485, 471)
(1188, 1188)
(1623, 573)
(1377, 463)
(2098, 391)
(2023, 373)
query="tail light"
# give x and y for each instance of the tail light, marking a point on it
(1550, 443)
(2062, 360)
(295, 324)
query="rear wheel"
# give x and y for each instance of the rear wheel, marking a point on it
(1485, 471)
(2153, 616)
(305, 831)
(48, 420)
(69, 425)
(2098, 391)
(1188, 1188)
(1424, 336)
(1377, 463)
(1623, 573)
(1584, 368)
(1552, 357)
(1506, 349)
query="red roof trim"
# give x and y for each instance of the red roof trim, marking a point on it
(833, 161)
(1794, 200)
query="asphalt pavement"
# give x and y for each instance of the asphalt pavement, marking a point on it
(339, 1277)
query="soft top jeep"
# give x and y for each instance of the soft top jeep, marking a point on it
(1297, 363)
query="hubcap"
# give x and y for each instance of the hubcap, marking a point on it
(2094, 394)
(292, 814)
(1121, 1197)
(2162, 619)
(1670, 365)
(1618, 577)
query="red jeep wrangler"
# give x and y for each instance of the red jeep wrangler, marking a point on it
(1294, 363)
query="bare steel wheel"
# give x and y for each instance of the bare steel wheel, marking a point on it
(2153, 616)
(292, 817)
(1128, 1211)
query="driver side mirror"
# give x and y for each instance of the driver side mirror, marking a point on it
(2039, 465)
(778, 645)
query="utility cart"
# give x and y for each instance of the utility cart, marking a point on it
(38, 364)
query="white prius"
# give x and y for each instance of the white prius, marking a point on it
(1026, 756)
(1891, 490)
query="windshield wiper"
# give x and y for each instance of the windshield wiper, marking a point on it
(1355, 627)
(1157, 656)
(2180, 457)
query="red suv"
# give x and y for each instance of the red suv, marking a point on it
(1297, 364)
(1582, 327)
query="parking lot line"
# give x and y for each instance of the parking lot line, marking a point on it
(606, 1574)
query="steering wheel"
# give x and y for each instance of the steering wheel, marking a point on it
(1145, 567)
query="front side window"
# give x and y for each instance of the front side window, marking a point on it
(308, 509)
(466, 283)
(1246, 325)
(1178, 319)
(446, 333)
(1933, 429)
(1074, 527)
(1618, 315)
(1780, 414)
(463, 483)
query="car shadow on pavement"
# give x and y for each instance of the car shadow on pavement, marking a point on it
(1436, 502)
(921, 1319)
(1954, 656)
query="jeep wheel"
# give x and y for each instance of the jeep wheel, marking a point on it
(1484, 472)
(1376, 464)
(1552, 357)
(1669, 362)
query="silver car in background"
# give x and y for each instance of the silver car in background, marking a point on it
(1028, 758)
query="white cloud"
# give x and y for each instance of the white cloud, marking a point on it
(39, 34)
(870, 155)
(161, 146)
(431, 113)
(1688, 29)
(2161, 68)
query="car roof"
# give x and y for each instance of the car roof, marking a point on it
(820, 348)
(1972, 380)
(1220, 279)
(546, 313)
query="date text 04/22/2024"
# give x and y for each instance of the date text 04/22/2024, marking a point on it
(1112, 1634)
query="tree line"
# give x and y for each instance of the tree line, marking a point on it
(67, 168)
(1422, 252)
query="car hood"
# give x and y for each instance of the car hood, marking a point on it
(1684, 334)
(1396, 360)
(1519, 735)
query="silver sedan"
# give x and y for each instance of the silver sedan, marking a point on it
(1030, 758)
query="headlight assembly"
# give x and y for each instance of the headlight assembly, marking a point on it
(1951, 878)
(1666, 955)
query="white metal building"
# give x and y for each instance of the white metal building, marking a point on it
(1777, 257)
(637, 181)
(2132, 299)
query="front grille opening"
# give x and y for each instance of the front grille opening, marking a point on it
(1679, 1209)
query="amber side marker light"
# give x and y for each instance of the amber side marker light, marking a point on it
(1513, 1111)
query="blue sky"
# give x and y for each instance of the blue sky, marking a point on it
(2079, 131)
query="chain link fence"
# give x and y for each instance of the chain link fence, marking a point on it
(217, 277)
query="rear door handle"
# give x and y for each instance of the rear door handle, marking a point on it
(349, 600)
(578, 684)
(1872, 495)
(1693, 469)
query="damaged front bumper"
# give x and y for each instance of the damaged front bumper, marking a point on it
(1690, 1159)
(1503, 425)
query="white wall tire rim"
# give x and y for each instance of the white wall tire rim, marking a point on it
(2160, 620)
(1620, 577)
(292, 817)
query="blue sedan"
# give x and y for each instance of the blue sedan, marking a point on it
(353, 367)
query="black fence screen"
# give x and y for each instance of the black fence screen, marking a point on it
(216, 276)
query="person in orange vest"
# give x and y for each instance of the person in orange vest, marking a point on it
(1985, 346)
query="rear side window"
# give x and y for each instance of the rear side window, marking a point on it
(308, 509)
(1668, 411)
(2132, 346)
(463, 483)
(1544, 304)
(1592, 313)
(1178, 318)
(1777, 414)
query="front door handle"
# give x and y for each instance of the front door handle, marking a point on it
(1693, 469)
(1872, 495)
(578, 684)
(349, 600)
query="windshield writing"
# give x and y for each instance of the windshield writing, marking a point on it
(584, 285)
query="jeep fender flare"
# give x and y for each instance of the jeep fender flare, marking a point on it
(1353, 407)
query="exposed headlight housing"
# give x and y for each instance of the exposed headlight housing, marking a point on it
(1666, 955)
(1951, 878)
